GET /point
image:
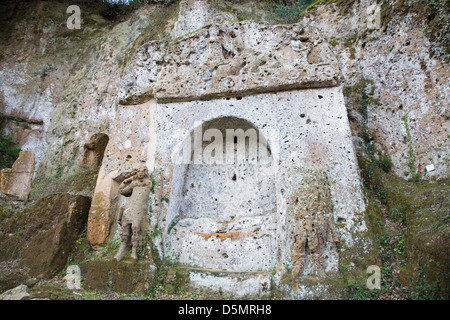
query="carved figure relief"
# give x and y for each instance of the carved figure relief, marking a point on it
(137, 187)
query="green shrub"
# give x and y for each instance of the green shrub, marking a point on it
(288, 11)
(9, 151)
(384, 161)
(115, 9)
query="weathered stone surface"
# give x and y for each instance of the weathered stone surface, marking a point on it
(228, 60)
(237, 217)
(25, 131)
(103, 209)
(137, 84)
(405, 74)
(312, 232)
(55, 223)
(193, 15)
(234, 284)
(131, 141)
(217, 215)
(94, 150)
(404, 70)
(17, 180)
(18, 293)
(119, 276)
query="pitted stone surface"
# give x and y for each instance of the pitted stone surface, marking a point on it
(308, 133)
(226, 211)
(311, 228)
(193, 15)
(237, 284)
(230, 59)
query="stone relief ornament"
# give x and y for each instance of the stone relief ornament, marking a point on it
(137, 187)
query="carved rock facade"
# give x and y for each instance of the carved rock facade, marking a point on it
(224, 60)
(281, 83)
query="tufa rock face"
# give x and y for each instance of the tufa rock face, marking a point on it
(312, 231)
(103, 209)
(72, 91)
(402, 71)
(228, 60)
(55, 223)
(219, 214)
(17, 180)
(94, 150)
(193, 15)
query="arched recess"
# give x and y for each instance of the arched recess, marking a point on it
(94, 150)
(222, 214)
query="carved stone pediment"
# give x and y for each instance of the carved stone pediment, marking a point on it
(233, 59)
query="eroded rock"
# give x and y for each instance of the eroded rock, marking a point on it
(228, 60)
(18, 293)
(311, 228)
(103, 209)
(53, 226)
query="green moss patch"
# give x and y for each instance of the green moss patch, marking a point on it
(409, 222)
(43, 236)
(9, 151)
(125, 276)
(82, 181)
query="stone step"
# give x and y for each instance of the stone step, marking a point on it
(237, 283)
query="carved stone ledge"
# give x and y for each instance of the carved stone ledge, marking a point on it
(235, 59)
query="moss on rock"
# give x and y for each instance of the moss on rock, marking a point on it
(125, 276)
(43, 236)
(409, 222)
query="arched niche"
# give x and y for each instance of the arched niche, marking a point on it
(94, 150)
(223, 203)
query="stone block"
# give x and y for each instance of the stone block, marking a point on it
(18, 293)
(54, 224)
(235, 284)
(103, 209)
(124, 276)
(17, 180)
